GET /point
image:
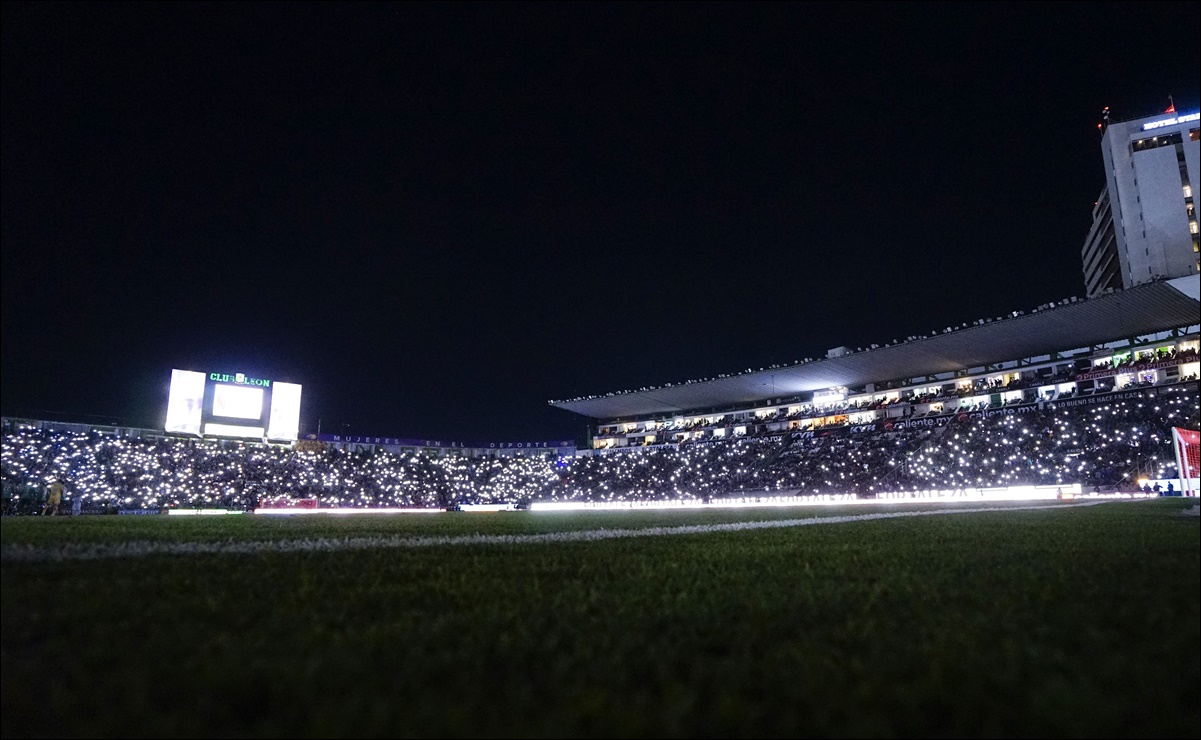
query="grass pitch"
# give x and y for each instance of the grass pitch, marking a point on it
(1081, 621)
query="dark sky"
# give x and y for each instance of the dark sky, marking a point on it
(438, 217)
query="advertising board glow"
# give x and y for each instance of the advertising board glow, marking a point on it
(185, 402)
(284, 423)
(232, 430)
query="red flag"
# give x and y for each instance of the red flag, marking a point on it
(1171, 105)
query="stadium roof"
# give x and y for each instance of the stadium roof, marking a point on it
(1138, 311)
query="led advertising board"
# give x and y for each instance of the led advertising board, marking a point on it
(232, 405)
(185, 404)
(284, 422)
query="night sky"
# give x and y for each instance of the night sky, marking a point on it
(438, 217)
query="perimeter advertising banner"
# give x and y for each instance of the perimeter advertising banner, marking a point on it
(474, 445)
(232, 405)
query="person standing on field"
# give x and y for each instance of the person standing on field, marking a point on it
(54, 497)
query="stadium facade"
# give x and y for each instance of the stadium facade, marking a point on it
(1143, 336)
(1145, 220)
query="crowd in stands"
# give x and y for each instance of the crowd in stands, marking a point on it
(981, 386)
(1102, 444)
(933, 401)
(137, 473)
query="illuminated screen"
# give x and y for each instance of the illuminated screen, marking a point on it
(185, 402)
(285, 412)
(238, 402)
(229, 404)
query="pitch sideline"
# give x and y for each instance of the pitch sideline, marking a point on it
(138, 549)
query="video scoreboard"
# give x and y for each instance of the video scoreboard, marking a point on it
(232, 405)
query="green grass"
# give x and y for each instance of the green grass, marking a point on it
(1078, 622)
(47, 531)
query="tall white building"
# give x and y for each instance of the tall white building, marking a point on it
(1145, 221)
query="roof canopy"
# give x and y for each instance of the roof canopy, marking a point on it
(1138, 311)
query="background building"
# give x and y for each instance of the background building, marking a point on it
(1145, 221)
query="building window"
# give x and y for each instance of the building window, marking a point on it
(1192, 134)
(1154, 142)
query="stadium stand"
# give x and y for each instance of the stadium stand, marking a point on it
(1019, 340)
(1079, 392)
(1104, 442)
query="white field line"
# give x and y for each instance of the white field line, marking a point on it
(137, 549)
